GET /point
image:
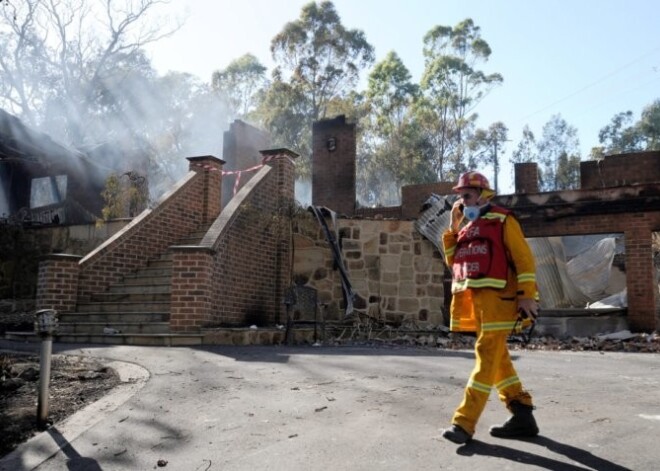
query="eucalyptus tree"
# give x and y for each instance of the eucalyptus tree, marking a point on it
(559, 155)
(452, 87)
(318, 61)
(620, 135)
(238, 85)
(623, 135)
(526, 150)
(393, 152)
(649, 126)
(486, 148)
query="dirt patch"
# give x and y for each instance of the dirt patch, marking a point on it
(74, 383)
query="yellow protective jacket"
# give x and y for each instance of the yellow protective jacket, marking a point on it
(497, 307)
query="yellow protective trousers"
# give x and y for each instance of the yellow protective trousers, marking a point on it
(493, 366)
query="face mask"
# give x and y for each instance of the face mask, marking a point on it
(472, 213)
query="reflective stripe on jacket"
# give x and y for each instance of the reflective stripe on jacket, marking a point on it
(497, 306)
(480, 259)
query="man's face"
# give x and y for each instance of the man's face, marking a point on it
(470, 196)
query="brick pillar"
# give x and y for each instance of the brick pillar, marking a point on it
(640, 280)
(211, 168)
(57, 283)
(283, 163)
(191, 289)
(526, 177)
(333, 165)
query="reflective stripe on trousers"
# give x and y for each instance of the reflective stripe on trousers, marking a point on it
(493, 367)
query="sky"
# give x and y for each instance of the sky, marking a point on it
(585, 60)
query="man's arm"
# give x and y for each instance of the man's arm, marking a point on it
(523, 261)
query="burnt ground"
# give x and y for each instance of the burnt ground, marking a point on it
(74, 383)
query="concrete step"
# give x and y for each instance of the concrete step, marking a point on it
(148, 288)
(150, 272)
(135, 298)
(114, 317)
(162, 261)
(119, 306)
(145, 279)
(196, 236)
(96, 328)
(166, 340)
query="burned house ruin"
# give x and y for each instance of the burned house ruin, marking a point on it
(200, 268)
(618, 196)
(44, 182)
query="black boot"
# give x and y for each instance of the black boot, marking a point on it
(520, 425)
(457, 434)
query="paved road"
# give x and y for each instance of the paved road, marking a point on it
(348, 408)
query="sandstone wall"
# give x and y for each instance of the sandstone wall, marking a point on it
(396, 274)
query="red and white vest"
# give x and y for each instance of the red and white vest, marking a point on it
(480, 259)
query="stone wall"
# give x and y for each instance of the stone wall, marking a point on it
(396, 274)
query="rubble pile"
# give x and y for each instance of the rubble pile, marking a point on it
(618, 342)
(440, 337)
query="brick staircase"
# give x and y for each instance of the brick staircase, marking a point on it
(135, 311)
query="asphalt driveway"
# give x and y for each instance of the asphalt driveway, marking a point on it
(347, 408)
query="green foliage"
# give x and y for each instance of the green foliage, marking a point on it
(318, 62)
(239, 83)
(112, 195)
(621, 135)
(559, 155)
(320, 57)
(282, 112)
(123, 199)
(649, 126)
(487, 147)
(452, 87)
(393, 150)
(526, 150)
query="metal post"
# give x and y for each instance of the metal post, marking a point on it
(45, 324)
(44, 380)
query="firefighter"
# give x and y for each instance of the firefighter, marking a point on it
(493, 286)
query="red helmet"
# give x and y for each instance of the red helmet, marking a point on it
(472, 180)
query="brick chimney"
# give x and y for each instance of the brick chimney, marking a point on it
(240, 150)
(526, 177)
(333, 165)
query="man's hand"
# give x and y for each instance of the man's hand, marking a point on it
(456, 216)
(528, 308)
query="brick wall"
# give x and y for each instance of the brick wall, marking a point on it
(195, 201)
(333, 165)
(620, 170)
(237, 275)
